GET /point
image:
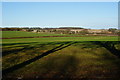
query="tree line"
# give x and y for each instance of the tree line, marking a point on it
(61, 30)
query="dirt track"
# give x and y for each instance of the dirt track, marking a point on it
(40, 37)
(53, 36)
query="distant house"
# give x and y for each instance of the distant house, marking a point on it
(34, 30)
(24, 29)
(77, 30)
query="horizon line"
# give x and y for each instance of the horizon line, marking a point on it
(56, 27)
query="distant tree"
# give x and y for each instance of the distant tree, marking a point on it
(118, 32)
(83, 32)
(70, 28)
(11, 29)
(113, 30)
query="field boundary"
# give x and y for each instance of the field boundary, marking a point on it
(54, 36)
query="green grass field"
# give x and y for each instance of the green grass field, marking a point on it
(13, 34)
(8, 34)
(59, 57)
(56, 39)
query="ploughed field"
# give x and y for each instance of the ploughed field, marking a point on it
(59, 57)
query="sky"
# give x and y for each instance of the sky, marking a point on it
(94, 15)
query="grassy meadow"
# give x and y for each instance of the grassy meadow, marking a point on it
(58, 57)
(9, 34)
